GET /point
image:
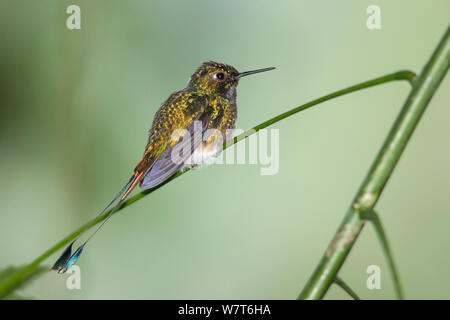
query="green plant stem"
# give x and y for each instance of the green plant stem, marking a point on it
(422, 90)
(373, 217)
(338, 281)
(9, 284)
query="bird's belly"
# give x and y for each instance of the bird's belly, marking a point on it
(203, 155)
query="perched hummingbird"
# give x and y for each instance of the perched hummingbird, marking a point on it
(207, 102)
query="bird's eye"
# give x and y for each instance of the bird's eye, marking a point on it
(220, 76)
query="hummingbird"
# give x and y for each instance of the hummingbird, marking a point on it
(208, 102)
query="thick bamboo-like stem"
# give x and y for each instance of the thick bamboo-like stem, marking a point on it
(11, 283)
(423, 89)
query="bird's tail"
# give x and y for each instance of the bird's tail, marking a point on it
(67, 259)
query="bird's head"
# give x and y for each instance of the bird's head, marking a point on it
(218, 78)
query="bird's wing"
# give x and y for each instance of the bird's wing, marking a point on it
(173, 157)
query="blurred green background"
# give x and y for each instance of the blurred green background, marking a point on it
(76, 106)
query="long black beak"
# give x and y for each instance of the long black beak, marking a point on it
(246, 73)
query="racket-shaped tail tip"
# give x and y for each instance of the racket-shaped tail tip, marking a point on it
(62, 260)
(72, 260)
(66, 260)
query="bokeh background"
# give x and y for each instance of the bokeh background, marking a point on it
(76, 106)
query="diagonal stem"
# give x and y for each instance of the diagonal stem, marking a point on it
(10, 283)
(373, 217)
(423, 89)
(338, 281)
